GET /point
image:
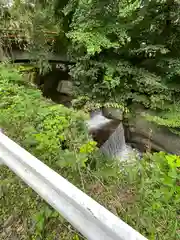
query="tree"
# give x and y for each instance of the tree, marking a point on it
(125, 52)
(128, 52)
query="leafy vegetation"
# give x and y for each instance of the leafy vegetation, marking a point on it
(24, 113)
(145, 193)
(125, 51)
(128, 53)
(46, 130)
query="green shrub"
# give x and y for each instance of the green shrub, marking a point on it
(155, 182)
(53, 133)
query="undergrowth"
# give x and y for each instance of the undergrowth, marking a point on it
(145, 194)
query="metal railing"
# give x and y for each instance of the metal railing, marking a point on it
(90, 218)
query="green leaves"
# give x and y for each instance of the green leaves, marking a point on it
(173, 161)
(47, 130)
(165, 177)
(126, 10)
(156, 179)
(94, 41)
(126, 51)
(40, 220)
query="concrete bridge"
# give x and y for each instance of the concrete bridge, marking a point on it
(24, 56)
(9, 49)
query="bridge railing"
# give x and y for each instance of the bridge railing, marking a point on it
(20, 33)
(90, 218)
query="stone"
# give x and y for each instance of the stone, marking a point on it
(65, 87)
(100, 127)
(144, 135)
(1, 53)
(113, 113)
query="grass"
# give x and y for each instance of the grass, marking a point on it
(22, 213)
(123, 195)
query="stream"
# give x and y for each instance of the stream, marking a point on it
(113, 133)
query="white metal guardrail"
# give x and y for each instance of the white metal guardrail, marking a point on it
(90, 218)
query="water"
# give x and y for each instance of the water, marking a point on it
(115, 145)
(97, 120)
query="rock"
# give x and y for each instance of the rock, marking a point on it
(143, 144)
(101, 128)
(101, 135)
(2, 57)
(60, 98)
(65, 87)
(145, 135)
(113, 113)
